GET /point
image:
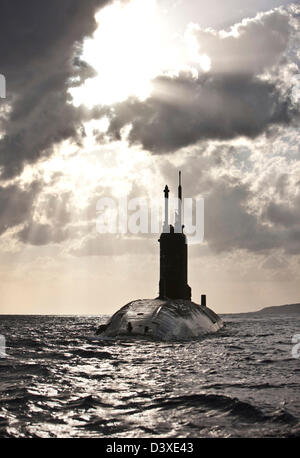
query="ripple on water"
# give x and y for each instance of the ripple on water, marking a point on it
(60, 380)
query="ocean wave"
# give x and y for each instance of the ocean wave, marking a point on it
(222, 403)
(84, 403)
(60, 379)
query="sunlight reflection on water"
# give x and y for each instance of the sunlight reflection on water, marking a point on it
(57, 382)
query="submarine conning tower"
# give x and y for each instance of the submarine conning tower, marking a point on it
(173, 254)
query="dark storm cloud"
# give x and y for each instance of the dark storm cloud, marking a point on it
(184, 111)
(229, 101)
(37, 42)
(16, 205)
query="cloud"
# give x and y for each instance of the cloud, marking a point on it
(284, 215)
(38, 41)
(250, 46)
(251, 194)
(48, 223)
(230, 225)
(41, 234)
(233, 99)
(16, 205)
(211, 107)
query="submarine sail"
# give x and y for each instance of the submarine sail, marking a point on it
(174, 256)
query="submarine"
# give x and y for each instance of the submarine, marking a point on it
(172, 315)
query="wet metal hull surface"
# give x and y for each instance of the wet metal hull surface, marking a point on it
(162, 319)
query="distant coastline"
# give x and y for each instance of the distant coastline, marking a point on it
(291, 309)
(278, 309)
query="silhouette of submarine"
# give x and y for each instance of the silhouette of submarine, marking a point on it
(172, 315)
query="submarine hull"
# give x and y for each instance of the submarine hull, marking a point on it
(163, 319)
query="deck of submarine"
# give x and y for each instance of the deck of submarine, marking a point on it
(163, 319)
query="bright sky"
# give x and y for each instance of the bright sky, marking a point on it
(135, 42)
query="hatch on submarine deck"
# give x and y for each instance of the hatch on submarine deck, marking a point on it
(172, 314)
(162, 319)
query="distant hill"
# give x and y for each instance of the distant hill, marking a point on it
(288, 308)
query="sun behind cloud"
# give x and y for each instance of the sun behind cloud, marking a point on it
(125, 51)
(133, 44)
